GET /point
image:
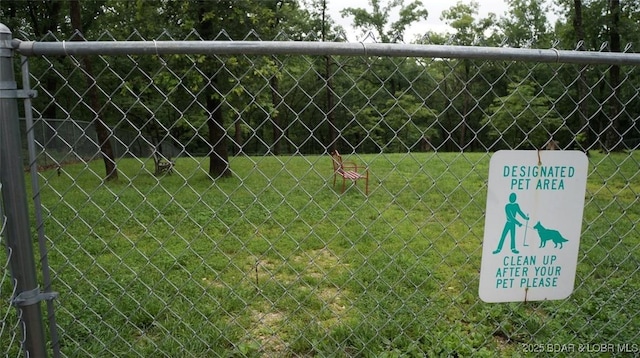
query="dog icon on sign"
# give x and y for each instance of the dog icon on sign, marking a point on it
(549, 235)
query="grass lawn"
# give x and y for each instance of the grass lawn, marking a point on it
(276, 262)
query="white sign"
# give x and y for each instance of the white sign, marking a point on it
(535, 201)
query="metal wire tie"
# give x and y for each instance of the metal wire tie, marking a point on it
(27, 298)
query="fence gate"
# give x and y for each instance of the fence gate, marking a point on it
(221, 229)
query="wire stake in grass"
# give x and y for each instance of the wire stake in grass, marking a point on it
(257, 283)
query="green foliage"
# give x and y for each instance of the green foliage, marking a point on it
(468, 29)
(377, 19)
(522, 119)
(268, 102)
(527, 24)
(405, 122)
(597, 23)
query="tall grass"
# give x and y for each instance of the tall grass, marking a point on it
(276, 262)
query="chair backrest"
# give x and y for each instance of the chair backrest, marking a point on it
(161, 162)
(157, 156)
(336, 158)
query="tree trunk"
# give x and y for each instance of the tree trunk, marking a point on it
(333, 132)
(275, 118)
(42, 24)
(585, 131)
(613, 138)
(238, 142)
(218, 156)
(465, 106)
(102, 130)
(331, 120)
(445, 123)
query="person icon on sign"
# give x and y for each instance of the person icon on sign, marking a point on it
(511, 210)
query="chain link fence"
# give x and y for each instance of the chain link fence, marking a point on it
(268, 257)
(10, 327)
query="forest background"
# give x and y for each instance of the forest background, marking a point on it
(311, 105)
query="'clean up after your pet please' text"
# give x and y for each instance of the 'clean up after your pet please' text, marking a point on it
(526, 271)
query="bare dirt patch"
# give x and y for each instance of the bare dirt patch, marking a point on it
(269, 325)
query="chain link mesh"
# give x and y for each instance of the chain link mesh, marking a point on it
(275, 261)
(10, 327)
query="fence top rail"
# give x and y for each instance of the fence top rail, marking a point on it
(64, 48)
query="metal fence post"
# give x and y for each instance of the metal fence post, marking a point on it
(14, 198)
